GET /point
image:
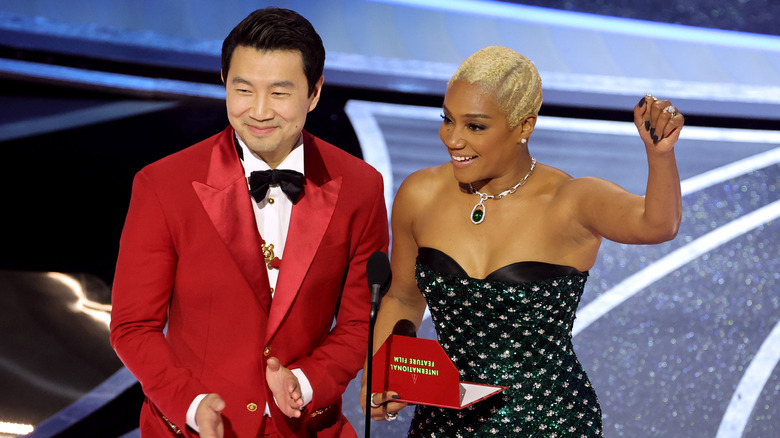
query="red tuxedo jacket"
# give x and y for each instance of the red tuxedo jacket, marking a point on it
(190, 258)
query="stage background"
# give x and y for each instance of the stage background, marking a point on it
(679, 339)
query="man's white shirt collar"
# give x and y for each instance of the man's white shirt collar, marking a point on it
(293, 161)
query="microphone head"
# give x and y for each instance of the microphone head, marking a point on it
(404, 327)
(378, 271)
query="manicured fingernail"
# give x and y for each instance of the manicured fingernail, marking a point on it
(641, 102)
(655, 139)
(396, 397)
(647, 125)
(652, 132)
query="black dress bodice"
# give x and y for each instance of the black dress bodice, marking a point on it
(512, 328)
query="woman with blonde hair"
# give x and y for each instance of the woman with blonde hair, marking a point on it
(499, 247)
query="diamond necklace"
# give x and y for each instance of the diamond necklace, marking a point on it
(478, 212)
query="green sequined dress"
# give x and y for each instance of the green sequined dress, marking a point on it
(513, 329)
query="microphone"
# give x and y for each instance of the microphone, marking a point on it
(379, 279)
(404, 327)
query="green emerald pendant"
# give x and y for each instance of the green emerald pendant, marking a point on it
(478, 214)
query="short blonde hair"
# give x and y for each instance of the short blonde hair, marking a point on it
(509, 76)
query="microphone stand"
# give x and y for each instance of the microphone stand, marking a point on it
(375, 292)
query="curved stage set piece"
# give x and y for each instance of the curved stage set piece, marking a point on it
(678, 339)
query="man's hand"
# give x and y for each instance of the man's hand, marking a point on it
(285, 388)
(208, 416)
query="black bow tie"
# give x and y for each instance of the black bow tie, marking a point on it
(290, 181)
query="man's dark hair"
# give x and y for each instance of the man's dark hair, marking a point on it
(272, 29)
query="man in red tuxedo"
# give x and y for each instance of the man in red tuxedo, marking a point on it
(246, 314)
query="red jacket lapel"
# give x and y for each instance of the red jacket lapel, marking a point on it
(225, 198)
(310, 218)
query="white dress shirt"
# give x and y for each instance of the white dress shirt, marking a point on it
(272, 216)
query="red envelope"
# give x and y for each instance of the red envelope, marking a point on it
(421, 373)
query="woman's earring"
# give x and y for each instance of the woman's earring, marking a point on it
(523, 141)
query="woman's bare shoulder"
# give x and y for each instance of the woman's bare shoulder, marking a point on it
(550, 180)
(425, 181)
(418, 190)
(559, 182)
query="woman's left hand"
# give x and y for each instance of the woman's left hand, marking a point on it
(383, 405)
(659, 123)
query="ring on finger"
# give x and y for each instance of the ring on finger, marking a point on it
(390, 416)
(373, 405)
(671, 110)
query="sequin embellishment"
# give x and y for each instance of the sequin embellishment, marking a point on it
(515, 335)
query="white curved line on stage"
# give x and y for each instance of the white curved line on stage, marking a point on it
(667, 88)
(638, 281)
(628, 128)
(372, 141)
(732, 170)
(750, 386)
